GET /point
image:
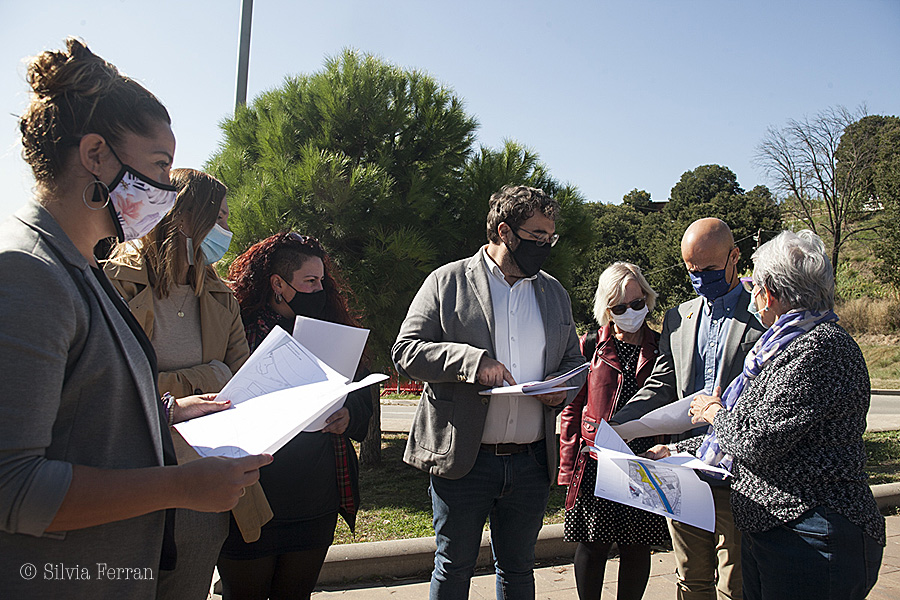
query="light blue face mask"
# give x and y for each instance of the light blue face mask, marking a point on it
(755, 311)
(216, 243)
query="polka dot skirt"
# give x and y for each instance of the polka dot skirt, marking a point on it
(594, 519)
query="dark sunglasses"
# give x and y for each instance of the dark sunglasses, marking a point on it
(306, 240)
(303, 239)
(619, 309)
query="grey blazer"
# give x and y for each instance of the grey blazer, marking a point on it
(673, 374)
(447, 330)
(77, 389)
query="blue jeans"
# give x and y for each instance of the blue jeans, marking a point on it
(819, 555)
(512, 491)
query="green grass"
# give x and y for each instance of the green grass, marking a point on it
(396, 505)
(395, 502)
(883, 452)
(401, 396)
(884, 365)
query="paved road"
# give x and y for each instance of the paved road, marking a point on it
(884, 414)
(397, 417)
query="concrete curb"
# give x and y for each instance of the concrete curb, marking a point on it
(885, 392)
(406, 558)
(886, 494)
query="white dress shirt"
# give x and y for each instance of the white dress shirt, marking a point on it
(519, 341)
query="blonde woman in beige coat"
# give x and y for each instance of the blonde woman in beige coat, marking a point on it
(194, 324)
(174, 292)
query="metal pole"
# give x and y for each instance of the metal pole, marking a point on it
(240, 96)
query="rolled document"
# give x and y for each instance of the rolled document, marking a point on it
(669, 419)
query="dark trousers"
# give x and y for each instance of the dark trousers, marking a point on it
(510, 490)
(819, 555)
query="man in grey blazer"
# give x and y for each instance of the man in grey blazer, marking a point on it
(482, 322)
(703, 345)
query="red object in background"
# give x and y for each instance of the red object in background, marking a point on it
(395, 385)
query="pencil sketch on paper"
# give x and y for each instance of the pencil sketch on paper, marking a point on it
(278, 363)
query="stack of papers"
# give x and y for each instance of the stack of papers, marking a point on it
(281, 390)
(667, 487)
(536, 388)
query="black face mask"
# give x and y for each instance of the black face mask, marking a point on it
(529, 256)
(307, 304)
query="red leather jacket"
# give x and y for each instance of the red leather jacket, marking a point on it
(596, 401)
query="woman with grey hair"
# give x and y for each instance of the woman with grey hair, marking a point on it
(791, 426)
(622, 354)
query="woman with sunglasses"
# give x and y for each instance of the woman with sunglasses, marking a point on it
(622, 354)
(315, 475)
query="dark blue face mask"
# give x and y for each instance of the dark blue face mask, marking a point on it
(711, 284)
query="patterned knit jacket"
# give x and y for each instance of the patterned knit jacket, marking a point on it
(796, 436)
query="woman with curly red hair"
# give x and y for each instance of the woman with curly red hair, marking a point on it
(315, 476)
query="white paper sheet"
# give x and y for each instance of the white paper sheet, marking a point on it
(516, 390)
(535, 388)
(669, 419)
(665, 487)
(280, 390)
(338, 346)
(268, 422)
(607, 438)
(278, 363)
(692, 462)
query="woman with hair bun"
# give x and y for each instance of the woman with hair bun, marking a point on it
(87, 466)
(315, 476)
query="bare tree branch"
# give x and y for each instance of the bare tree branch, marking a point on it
(804, 164)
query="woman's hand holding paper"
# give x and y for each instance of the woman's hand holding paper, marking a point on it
(215, 484)
(704, 408)
(191, 407)
(338, 422)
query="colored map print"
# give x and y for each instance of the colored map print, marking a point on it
(654, 486)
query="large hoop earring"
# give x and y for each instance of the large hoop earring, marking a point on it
(92, 184)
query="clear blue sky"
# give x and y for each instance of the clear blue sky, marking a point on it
(613, 95)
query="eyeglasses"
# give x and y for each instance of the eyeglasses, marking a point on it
(541, 239)
(619, 309)
(748, 283)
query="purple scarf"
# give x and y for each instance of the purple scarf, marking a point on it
(789, 326)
